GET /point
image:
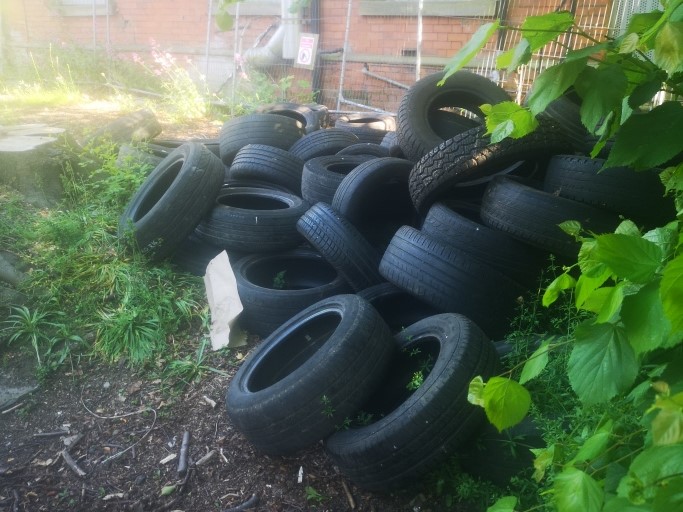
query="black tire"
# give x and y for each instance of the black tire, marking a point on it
(342, 245)
(366, 148)
(170, 144)
(269, 164)
(269, 129)
(253, 220)
(323, 143)
(460, 225)
(533, 216)
(366, 126)
(374, 197)
(275, 287)
(451, 280)
(172, 200)
(417, 123)
(470, 156)
(322, 175)
(411, 433)
(311, 120)
(398, 308)
(130, 154)
(638, 196)
(194, 254)
(565, 111)
(310, 374)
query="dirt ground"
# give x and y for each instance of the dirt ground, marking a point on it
(122, 432)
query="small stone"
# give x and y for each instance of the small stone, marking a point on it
(106, 385)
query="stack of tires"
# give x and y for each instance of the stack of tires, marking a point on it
(376, 258)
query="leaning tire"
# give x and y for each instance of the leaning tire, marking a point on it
(410, 433)
(311, 120)
(342, 245)
(471, 156)
(275, 287)
(269, 129)
(253, 220)
(321, 176)
(417, 128)
(323, 143)
(310, 374)
(367, 127)
(172, 200)
(533, 216)
(397, 307)
(269, 164)
(451, 280)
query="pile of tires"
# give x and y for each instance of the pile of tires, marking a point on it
(371, 251)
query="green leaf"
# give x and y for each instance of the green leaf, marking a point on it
(624, 505)
(586, 285)
(665, 238)
(586, 51)
(544, 459)
(595, 445)
(602, 90)
(612, 303)
(627, 227)
(650, 471)
(225, 21)
(504, 504)
(514, 57)
(475, 392)
(643, 316)
(535, 364)
(639, 23)
(557, 286)
(672, 178)
(506, 402)
(576, 491)
(470, 49)
(669, 47)
(649, 139)
(629, 44)
(553, 83)
(667, 427)
(540, 30)
(671, 291)
(602, 363)
(167, 489)
(588, 262)
(508, 119)
(629, 257)
(571, 227)
(645, 91)
(669, 497)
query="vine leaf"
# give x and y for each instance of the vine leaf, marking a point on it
(669, 497)
(602, 362)
(650, 471)
(624, 505)
(514, 57)
(650, 139)
(504, 504)
(629, 257)
(576, 490)
(667, 427)
(557, 286)
(613, 299)
(536, 363)
(544, 459)
(506, 402)
(540, 30)
(595, 445)
(669, 47)
(644, 319)
(671, 291)
(602, 90)
(553, 82)
(470, 49)
(586, 285)
(508, 119)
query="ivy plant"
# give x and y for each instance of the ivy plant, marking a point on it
(630, 349)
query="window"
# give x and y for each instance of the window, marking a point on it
(430, 8)
(85, 7)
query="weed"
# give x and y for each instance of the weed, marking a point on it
(416, 381)
(313, 495)
(279, 280)
(328, 410)
(183, 372)
(34, 327)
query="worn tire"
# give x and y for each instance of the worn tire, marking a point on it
(323, 143)
(471, 156)
(420, 128)
(269, 129)
(366, 148)
(342, 245)
(322, 175)
(450, 279)
(414, 432)
(638, 196)
(311, 119)
(397, 307)
(269, 164)
(275, 287)
(172, 200)
(253, 220)
(533, 216)
(310, 374)
(366, 126)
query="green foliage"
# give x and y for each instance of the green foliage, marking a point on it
(618, 448)
(313, 495)
(34, 327)
(188, 370)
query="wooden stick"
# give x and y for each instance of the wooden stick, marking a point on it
(349, 496)
(206, 458)
(72, 463)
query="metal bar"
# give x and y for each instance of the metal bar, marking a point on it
(208, 40)
(346, 50)
(418, 50)
(369, 73)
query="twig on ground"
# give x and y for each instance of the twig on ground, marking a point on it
(349, 496)
(17, 501)
(206, 458)
(184, 452)
(72, 463)
(12, 408)
(247, 505)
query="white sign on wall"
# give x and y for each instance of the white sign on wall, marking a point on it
(308, 46)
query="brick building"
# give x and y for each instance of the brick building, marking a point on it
(368, 51)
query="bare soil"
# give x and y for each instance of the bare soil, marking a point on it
(125, 431)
